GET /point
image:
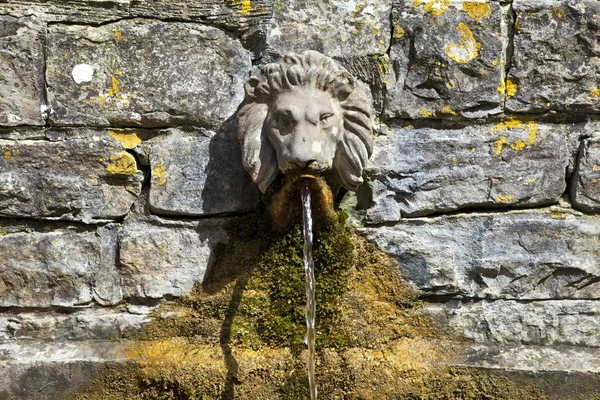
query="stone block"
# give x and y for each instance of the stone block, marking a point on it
(164, 258)
(234, 15)
(585, 182)
(521, 255)
(556, 58)
(55, 265)
(87, 324)
(420, 171)
(447, 59)
(144, 73)
(335, 28)
(198, 172)
(510, 322)
(22, 77)
(80, 174)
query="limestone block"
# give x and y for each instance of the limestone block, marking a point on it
(164, 258)
(545, 254)
(335, 28)
(22, 71)
(447, 59)
(235, 15)
(585, 184)
(56, 265)
(198, 172)
(87, 324)
(556, 57)
(145, 73)
(80, 174)
(543, 323)
(420, 171)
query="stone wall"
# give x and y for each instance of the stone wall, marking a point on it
(119, 166)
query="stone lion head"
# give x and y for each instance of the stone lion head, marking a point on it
(304, 117)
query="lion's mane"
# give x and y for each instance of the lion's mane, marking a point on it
(306, 69)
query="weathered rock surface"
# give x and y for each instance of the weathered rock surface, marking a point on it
(164, 258)
(129, 73)
(198, 172)
(556, 57)
(235, 15)
(585, 184)
(447, 59)
(57, 265)
(335, 28)
(78, 174)
(87, 324)
(543, 323)
(416, 172)
(22, 71)
(546, 254)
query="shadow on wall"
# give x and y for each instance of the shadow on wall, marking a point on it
(228, 187)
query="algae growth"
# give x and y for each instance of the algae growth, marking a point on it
(241, 333)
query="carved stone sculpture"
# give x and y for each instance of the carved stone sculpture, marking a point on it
(305, 117)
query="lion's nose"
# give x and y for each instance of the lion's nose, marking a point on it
(305, 164)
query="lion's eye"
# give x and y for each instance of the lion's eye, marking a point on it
(284, 121)
(326, 118)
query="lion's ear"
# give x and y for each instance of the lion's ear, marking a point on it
(250, 88)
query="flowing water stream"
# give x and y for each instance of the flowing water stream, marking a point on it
(309, 269)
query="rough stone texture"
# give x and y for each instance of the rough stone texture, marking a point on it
(198, 172)
(237, 15)
(163, 258)
(138, 67)
(556, 56)
(22, 77)
(423, 171)
(585, 183)
(546, 254)
(88, 324)
(447, 59)
(80, 174)
(542, 323)
(56, 265)
(335, 28)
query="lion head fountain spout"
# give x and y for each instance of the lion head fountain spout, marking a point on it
(304, 118)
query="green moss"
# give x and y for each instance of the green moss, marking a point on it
(241, 333)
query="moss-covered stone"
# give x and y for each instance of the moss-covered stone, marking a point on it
(240, 334)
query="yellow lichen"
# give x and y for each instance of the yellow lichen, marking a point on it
(513, 123)
(425, 113)
(160, 173)
(495, 62)
(129, 140)
(246, 6)
(508, 87)
(510, 198)
(399, 32)
(115, 87)
(467, 50)
(596, 168)
(558, 12)
(531, 181)
(436, 7)
(595, 92)
(122, 163)
(448, 110)
(117, 34)
(476, 10)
